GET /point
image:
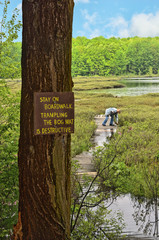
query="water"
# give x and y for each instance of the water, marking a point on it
(134, 87)
(126, 204)
(129, 207)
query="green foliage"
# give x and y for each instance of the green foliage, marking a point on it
(97, 224)
(9, 28)
(10, 53)
(114, 56)
(84, 128)
(137, 147)
(10, 63)
(9, 132)
(90, 217)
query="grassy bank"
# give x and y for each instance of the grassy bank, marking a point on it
(83, 83)
(96, 82)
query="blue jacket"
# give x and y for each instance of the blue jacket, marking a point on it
(112, 111)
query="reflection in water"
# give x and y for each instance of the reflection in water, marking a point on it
(140, 83)
(139, 87)
(104, 136)
(138, 215)
(144, 216)
(134, 87)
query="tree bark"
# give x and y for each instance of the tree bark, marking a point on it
(44, 161)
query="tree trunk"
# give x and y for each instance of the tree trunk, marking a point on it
(44, 161)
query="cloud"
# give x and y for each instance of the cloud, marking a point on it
(118, 22)
(117, 27)
(145, 25)
(95, 33)
(141, 25)
(82, 1)
(90, 21)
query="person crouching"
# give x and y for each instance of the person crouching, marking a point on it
(112, 112)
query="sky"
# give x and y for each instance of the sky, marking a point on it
(112, 18)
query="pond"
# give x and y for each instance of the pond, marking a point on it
(140, 86)
(134, 87)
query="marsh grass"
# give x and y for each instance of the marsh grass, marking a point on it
(14, 84)
(90, 83)
(141, 110)
(135, 109)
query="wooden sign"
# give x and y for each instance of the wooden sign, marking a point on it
(53, 113)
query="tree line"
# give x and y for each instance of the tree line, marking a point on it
(97, 56)
(115, 56)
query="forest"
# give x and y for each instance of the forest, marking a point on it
(115, 56)
(97, 56)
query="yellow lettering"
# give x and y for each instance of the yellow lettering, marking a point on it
(47, 122)
(56, 130)
(69, 121)
(45, 99)
(44, 130)
(54, 115)
(58, 121)
(57, 106)
(55, 99)
(38, 131)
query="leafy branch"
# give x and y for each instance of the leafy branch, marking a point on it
(84, 198)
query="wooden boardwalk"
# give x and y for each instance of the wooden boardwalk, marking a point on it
(101, 134)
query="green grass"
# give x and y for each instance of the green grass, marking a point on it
(90, 83)
(14, 84)
(136, 109)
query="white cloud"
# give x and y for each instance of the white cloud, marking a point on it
(118, 22)
(95, 33)
(141, 25)
(123, 33)
(86, 26)
(117, 27)
(91, 19)
(145, 25)
(82, 1)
